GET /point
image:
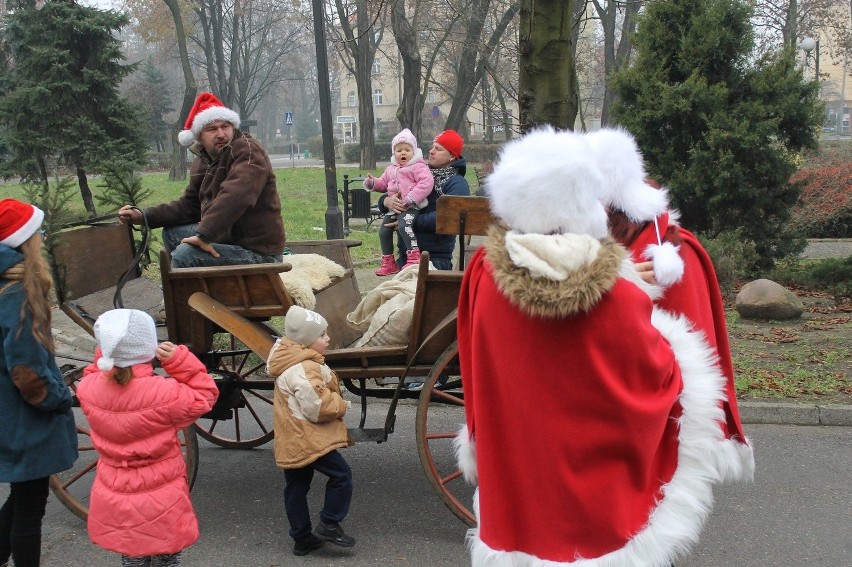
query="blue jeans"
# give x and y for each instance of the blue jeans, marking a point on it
(20, 522)
(189, 256)
(338, 493)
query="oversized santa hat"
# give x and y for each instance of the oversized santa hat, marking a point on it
(626, 190)
(548, 183)
(207, 109)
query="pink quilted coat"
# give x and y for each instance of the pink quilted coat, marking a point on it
(140, 501)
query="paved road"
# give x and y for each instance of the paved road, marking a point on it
(796, 513)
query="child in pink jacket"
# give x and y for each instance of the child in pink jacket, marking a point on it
(140, 505)
(410, 177)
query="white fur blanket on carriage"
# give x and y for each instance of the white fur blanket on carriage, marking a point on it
(309, 273)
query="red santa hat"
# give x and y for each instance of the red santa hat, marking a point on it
(548, 183)
(625, 189)
(18, 222)
(207, 109)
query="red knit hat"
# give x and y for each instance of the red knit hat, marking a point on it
(18, 222)
(451, 140)
(207, 109)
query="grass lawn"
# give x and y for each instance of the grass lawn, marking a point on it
(303, 200)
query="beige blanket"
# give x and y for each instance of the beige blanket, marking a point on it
(309, 273)
(386, 312)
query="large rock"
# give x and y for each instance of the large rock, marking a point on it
(765, 299)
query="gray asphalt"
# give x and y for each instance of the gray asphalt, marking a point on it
(796, 513)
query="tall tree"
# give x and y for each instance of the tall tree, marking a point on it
(719, 128)
(150, 90)
(548, 90)
(61, 105)
(410, 110)
(357, 47)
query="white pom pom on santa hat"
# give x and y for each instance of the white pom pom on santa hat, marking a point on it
(206, 109)
(668, 265)
(548, 183)
(623, 168)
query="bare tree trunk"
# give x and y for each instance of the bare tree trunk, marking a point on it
(466, 85)
(86, 191)
(178, 170)
(410, 110)
(548, 90)
(466, 76)
(616, 57)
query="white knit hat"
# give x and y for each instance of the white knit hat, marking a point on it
(548, 182)
(303, 325)
(125, 337)
(206, 109)
(404, 137)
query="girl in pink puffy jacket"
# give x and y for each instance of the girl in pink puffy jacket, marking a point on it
(409, 177)
(140, 505)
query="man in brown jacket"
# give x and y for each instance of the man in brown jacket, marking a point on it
(230, 212)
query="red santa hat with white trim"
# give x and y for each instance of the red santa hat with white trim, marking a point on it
(18, 222)
(625, 189)
(207, 109)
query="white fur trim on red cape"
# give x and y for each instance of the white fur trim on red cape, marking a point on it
(465, 448)
(703, 460)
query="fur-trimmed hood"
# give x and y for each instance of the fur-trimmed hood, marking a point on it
(551, 285)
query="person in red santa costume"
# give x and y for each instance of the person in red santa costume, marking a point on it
(592, 417)
(673, 258)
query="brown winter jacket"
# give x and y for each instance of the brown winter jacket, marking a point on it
(232, 198)
(308, 405)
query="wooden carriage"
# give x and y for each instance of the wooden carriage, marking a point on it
(223, 314)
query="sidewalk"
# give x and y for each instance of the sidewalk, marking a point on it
(75, 347)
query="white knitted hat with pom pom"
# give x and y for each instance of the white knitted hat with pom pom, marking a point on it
(125, 337)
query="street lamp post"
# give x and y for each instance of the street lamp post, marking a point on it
(811, 46)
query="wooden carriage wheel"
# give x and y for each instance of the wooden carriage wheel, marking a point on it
(72, 487)
(247, 419)
(440, 413)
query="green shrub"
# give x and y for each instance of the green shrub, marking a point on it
(733, 257)
(476, 152)
(824, 208)
(315, 145)
(833, 275)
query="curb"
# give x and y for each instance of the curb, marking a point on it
(785, 413)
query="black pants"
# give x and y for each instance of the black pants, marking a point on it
(338, 493)
(20, 522)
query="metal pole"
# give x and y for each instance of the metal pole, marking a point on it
(333, 216)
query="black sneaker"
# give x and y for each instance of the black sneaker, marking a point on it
(307, 545)
(333, 533)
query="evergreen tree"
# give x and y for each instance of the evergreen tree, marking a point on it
(720, 129)
(60, 104)
(151, 92)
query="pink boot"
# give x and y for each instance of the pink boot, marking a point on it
(388, 266)
(413, 258)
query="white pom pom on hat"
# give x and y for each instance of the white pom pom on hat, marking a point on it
(623, 168)
(125, 337)
(206, 109)
(548, 182)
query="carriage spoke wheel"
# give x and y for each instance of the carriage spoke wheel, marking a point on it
(440, 413)
(72, 487)
(249, 424)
